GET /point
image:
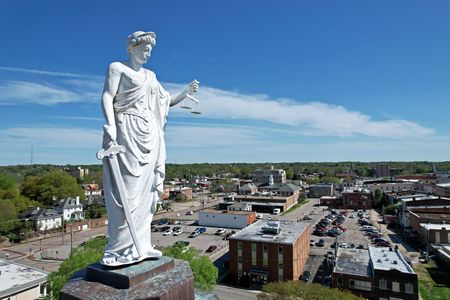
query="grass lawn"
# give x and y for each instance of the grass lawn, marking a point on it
(294, 207)
(434, 283)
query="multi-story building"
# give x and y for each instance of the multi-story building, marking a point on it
(269, 251)
(435, 233)
(71, 209)
(320, 190)
(229, 219)
(382, 170)
(265, 176)
(376, 273)
(21, 282)
(79, 172)
(357, 198)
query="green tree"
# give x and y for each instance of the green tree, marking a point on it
(82, 256)
(378, 198)
(57, 183)
(299, 290)
(390, 209)
(205, 273)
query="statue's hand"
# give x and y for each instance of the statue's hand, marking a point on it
(110, 134)
(193, 87)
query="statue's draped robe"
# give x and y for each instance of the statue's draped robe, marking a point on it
(140, 114)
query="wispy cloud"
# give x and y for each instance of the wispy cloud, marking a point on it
(306, 118)
(51, 137)
(48, 73)
(309, 118)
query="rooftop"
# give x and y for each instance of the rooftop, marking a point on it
(428, 226)
(353, 261)
(230, 212)
(15, 278)
(386, 259)
(290, 231)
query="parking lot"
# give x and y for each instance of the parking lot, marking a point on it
(200, 242)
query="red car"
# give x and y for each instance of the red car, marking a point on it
(211, 248)
(342, 228)
(383, 244)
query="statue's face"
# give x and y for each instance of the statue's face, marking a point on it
(141, 53)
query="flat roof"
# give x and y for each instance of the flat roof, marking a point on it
(16, 278)
(435, 226)
(290, 231)
(353, 261)
(229, 212)
(385, 259)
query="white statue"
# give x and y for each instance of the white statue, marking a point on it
(135, 106)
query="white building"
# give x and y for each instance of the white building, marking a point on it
(42, 218)
(20, 282)
(227, 219)
(71, 209)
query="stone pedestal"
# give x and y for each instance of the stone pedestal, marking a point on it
(164, 278)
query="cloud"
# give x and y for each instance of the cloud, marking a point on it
(309, 118)
(50, 137)
(47, 73)
(306, 118)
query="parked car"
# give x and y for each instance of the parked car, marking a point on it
(177, 232)
(168, 232)
(383, 244)
(312, 242)
(163, 222)
(211, 248)
(306, 275)
(227, 235)
(360, 246)
(320, 243)
(221, 231)
(189, 213)
(194, 234)
(200, 229)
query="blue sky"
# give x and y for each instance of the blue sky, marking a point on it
(280, 80)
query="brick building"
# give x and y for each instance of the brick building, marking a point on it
(262, 176)
(376, 273)
(320, 190)
(269, 251)
(357, 198)
(435, 233)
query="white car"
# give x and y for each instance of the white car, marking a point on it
(343, 245)
(178, 231)
(168, 232)
(221, 231)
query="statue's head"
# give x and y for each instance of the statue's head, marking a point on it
(140, 45)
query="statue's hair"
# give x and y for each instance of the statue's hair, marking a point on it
(139, 37)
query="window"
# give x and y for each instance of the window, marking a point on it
(265, 255)
(253, 254)
(239, 259)
(360, 285)
(340, 281)
(239, 245)
(382, 284)
(280, 249)
(395, 286)
(409, 288)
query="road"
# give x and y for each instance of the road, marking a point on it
(231, 293)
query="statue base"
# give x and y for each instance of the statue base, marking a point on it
(163, 278)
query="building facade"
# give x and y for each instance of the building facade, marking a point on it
(376, 273)
(269, 251)
(357, 198)
(320, 190)
(264, 176)
(229, 219)
(21, 282)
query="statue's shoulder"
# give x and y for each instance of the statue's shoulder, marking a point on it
(116, 67)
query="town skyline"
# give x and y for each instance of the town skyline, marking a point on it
(305, 82)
